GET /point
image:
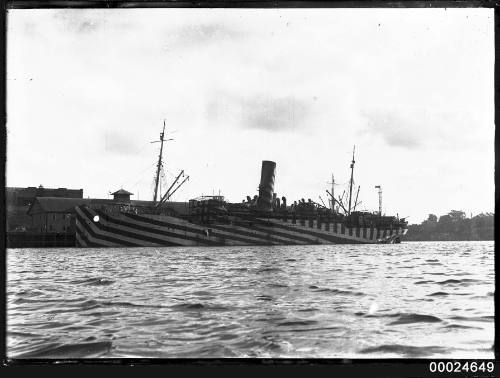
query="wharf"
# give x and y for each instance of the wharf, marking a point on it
(40, 240)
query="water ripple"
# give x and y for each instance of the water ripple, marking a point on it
(409, 351)
(82, 350)
(294, 301)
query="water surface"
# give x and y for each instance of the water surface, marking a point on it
(430, 300)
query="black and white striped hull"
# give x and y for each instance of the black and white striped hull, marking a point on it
(132, 230)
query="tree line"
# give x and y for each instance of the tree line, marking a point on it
(453, 226)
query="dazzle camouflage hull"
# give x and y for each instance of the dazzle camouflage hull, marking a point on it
(97, 228)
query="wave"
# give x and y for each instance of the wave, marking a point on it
(336, 291)
(309, 309)
(264, 298)
(95, 281)
(102, 314)
(406, 350)
(43, 300)
(485, 318)
(403, 318)
(438, 294)
(212, 350)
(316, 329)
(79, 350)
(377, 315)
(129, 304)
(277, 285)
(269, 269)
(273, 332)
(91, 304)
(460, 326)
(297, 323)
(20, 334)
(27, 300)
(453, 281)
(29, 293)
(199, 306)
(201, 293)
(415, 318)
(189, 306)
(151, 322)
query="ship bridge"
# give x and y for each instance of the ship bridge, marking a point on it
(208, 198)
(207, 209)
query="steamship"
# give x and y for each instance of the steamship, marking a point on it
(212, 221)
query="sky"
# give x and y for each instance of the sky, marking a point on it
(412, 89)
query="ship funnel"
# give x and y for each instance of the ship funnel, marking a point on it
(266, 187)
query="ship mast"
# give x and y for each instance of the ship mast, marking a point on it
(350, 184)
(159, 165)
(332, 200)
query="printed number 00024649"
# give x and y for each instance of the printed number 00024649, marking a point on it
(460, 367)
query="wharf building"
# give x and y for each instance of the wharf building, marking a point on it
(43, 217)
(19, 200)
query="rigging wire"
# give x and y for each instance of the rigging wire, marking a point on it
(163, 179)
(150, 165)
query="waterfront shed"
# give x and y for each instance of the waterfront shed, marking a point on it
(54, 215)
(18, 201)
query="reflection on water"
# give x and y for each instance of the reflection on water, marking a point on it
(409, 300)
